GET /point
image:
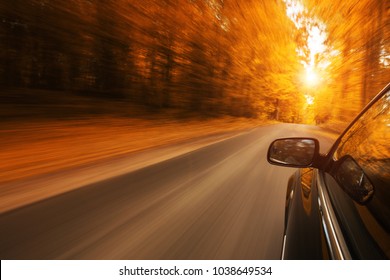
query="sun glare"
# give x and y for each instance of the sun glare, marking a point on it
(316, 58)
(309, 99)
(312, 77)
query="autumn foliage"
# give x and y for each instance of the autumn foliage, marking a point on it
(206, 57)
(358, 50)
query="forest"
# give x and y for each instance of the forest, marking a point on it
(242, 58)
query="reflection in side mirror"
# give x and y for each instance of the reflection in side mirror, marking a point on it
(352, 179)
(293, 152)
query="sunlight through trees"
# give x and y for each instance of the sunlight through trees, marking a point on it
(205, 57)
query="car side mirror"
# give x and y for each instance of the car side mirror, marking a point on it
(294, 152)
(353, 180)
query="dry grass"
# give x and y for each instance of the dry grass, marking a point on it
(40, 147)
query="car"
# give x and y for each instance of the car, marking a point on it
(338, 204)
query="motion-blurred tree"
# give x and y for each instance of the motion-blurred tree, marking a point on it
(201, 56)
(359, 33)
(13, 34)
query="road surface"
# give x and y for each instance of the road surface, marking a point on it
(223, 201)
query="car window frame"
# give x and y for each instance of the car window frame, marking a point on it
(330, 155)
(331, 162)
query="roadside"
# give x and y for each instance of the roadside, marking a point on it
(46, 158)
(335, 126)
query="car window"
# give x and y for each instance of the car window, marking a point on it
(368, 143)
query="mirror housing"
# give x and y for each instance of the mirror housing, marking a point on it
(294, 152)
(353, 180)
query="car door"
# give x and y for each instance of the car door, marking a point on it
(361, 210)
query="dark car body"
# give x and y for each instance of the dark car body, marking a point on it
(338, 205)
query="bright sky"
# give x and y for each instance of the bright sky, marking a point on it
(293, 9)
(315, 42)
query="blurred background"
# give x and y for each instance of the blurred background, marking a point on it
(121, 96)
(308, 61)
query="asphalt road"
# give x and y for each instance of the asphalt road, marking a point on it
(223, 201)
